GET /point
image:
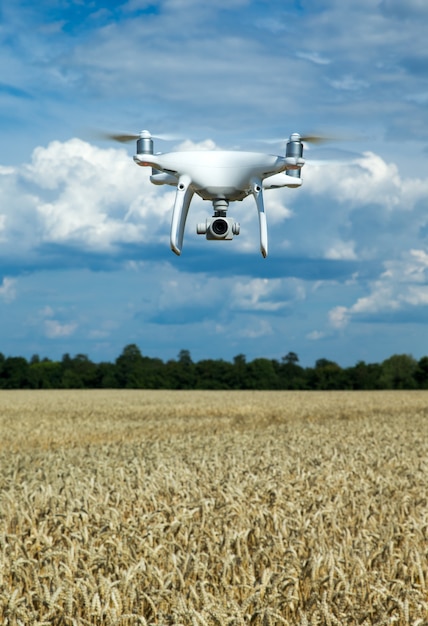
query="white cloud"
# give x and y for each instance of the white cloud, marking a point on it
(53, 323)
(365, 180)
(341, 250)
(92, 187)
(276, 211)
(266, 295)
(338, 317)
(55, 329)
(75, 193)
(359, 210)
(8, 289)
(206, 144)
(258, 328)
(401, 287)
(3, 219)
(254, 295)
(314, 57)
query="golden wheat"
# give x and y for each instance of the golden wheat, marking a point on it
(213, 508)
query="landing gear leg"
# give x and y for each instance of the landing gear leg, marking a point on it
(257, 190)
(183, 198)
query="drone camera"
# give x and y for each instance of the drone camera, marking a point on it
(219, 228)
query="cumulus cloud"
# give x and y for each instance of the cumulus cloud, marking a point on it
(360, 209)
(259, 294)
(338, 317)
(364, 180)
(54, 323)
(341, 250)
(92, 189)
(74, 193)
(401, 287)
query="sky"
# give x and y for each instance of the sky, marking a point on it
(85, 262)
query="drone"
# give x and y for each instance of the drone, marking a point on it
(221, 177)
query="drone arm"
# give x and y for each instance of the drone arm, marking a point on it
(257, 190)
(163, 178)
(281, 180)
(183, 198)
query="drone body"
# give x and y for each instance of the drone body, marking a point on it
(220, 177)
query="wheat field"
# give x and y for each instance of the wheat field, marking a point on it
(213, 508)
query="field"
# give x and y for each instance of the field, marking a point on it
(213, 508)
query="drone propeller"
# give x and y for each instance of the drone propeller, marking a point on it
(314, 139)
(121, 138)
(126, 137)
(317, 139)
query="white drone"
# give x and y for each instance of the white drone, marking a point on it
(221, 177)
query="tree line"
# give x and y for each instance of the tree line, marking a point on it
(132, 370)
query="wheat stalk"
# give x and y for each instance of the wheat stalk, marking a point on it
(213, 508)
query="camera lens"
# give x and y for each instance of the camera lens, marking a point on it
(220, 227)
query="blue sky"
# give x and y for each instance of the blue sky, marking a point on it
(84, 237)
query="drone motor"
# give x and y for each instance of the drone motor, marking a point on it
(145, 143)
(295, 150)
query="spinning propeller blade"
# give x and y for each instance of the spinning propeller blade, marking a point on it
(126, 137)
(308, 138)
(317, 139)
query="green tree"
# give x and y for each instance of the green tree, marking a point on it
(130, 368)
(290, 374)
(421, 373)
(184, 358)
(291, 358)
(213, 374)
(15, 373)
(364, 375)
(45, 374)
(181, 373)
(239, 372)
(107, 378)
(398, 372)
(327, 375)
(80, 373)
(261, 374)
